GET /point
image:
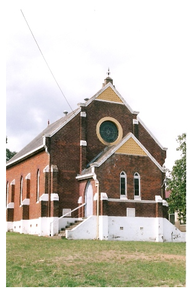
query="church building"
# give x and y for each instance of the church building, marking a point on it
(99, 165)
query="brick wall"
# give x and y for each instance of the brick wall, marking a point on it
(65, 153)
(150, 144)
(97, 110)
(70, 158)
(29, 166)
(111, 208)
(82, 190)
(149, 210)
(151, 178)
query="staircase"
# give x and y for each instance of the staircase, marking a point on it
(70, 226)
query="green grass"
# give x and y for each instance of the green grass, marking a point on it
(40, 261)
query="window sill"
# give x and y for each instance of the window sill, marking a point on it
(137, 198)
(123, 197)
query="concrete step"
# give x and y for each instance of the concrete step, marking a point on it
(62, 233)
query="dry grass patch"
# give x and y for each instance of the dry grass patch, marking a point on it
(39, 261)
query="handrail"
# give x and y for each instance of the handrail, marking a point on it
(72, 211)
(65, 215)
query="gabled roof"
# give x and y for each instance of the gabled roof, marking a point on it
(119, 99)
(147, 129)
(129, 145)
(37, 143)
(99, 96)
(108, 93)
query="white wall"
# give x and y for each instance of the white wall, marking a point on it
(143, 229)
(85, 230)
(9, 226)
(110, 228)
(171, 233)
(127, 229)
(41, 226)
(44, 226)
(103, 227)
(132, 229)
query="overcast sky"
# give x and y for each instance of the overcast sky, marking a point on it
(144, 43)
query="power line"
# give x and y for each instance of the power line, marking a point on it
(46, 60)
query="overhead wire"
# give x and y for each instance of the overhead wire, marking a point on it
(46, 61)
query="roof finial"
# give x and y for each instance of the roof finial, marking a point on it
(108, 79)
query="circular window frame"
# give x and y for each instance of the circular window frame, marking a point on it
(119, 128)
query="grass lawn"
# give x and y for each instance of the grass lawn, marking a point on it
(42, 261)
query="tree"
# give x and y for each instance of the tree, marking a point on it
(177, 182)
(9, 154)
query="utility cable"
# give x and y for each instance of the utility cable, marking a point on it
(46, 61)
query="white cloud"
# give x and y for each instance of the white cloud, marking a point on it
(143, 42)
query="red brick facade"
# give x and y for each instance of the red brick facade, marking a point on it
(68, 149)
(27, 167)
(151, 178)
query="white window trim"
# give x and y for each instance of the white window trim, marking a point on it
(7, 193)
(38, 187)
(21, 191)
(137, 197)
(124, 176)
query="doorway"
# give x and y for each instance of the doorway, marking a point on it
(89, 200)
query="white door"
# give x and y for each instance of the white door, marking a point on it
(89, 200)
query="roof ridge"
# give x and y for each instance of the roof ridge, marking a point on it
(114, 148)
(151, 134)
(109, 84)
(37, 143)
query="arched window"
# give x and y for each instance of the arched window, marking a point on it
(123, 184)
(38, 186)
(12, 190)
(21, 190)
(137, 185)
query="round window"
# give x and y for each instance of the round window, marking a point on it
(108, 131)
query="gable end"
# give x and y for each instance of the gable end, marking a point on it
(131, 148)
(109, 95)
(137, 149)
